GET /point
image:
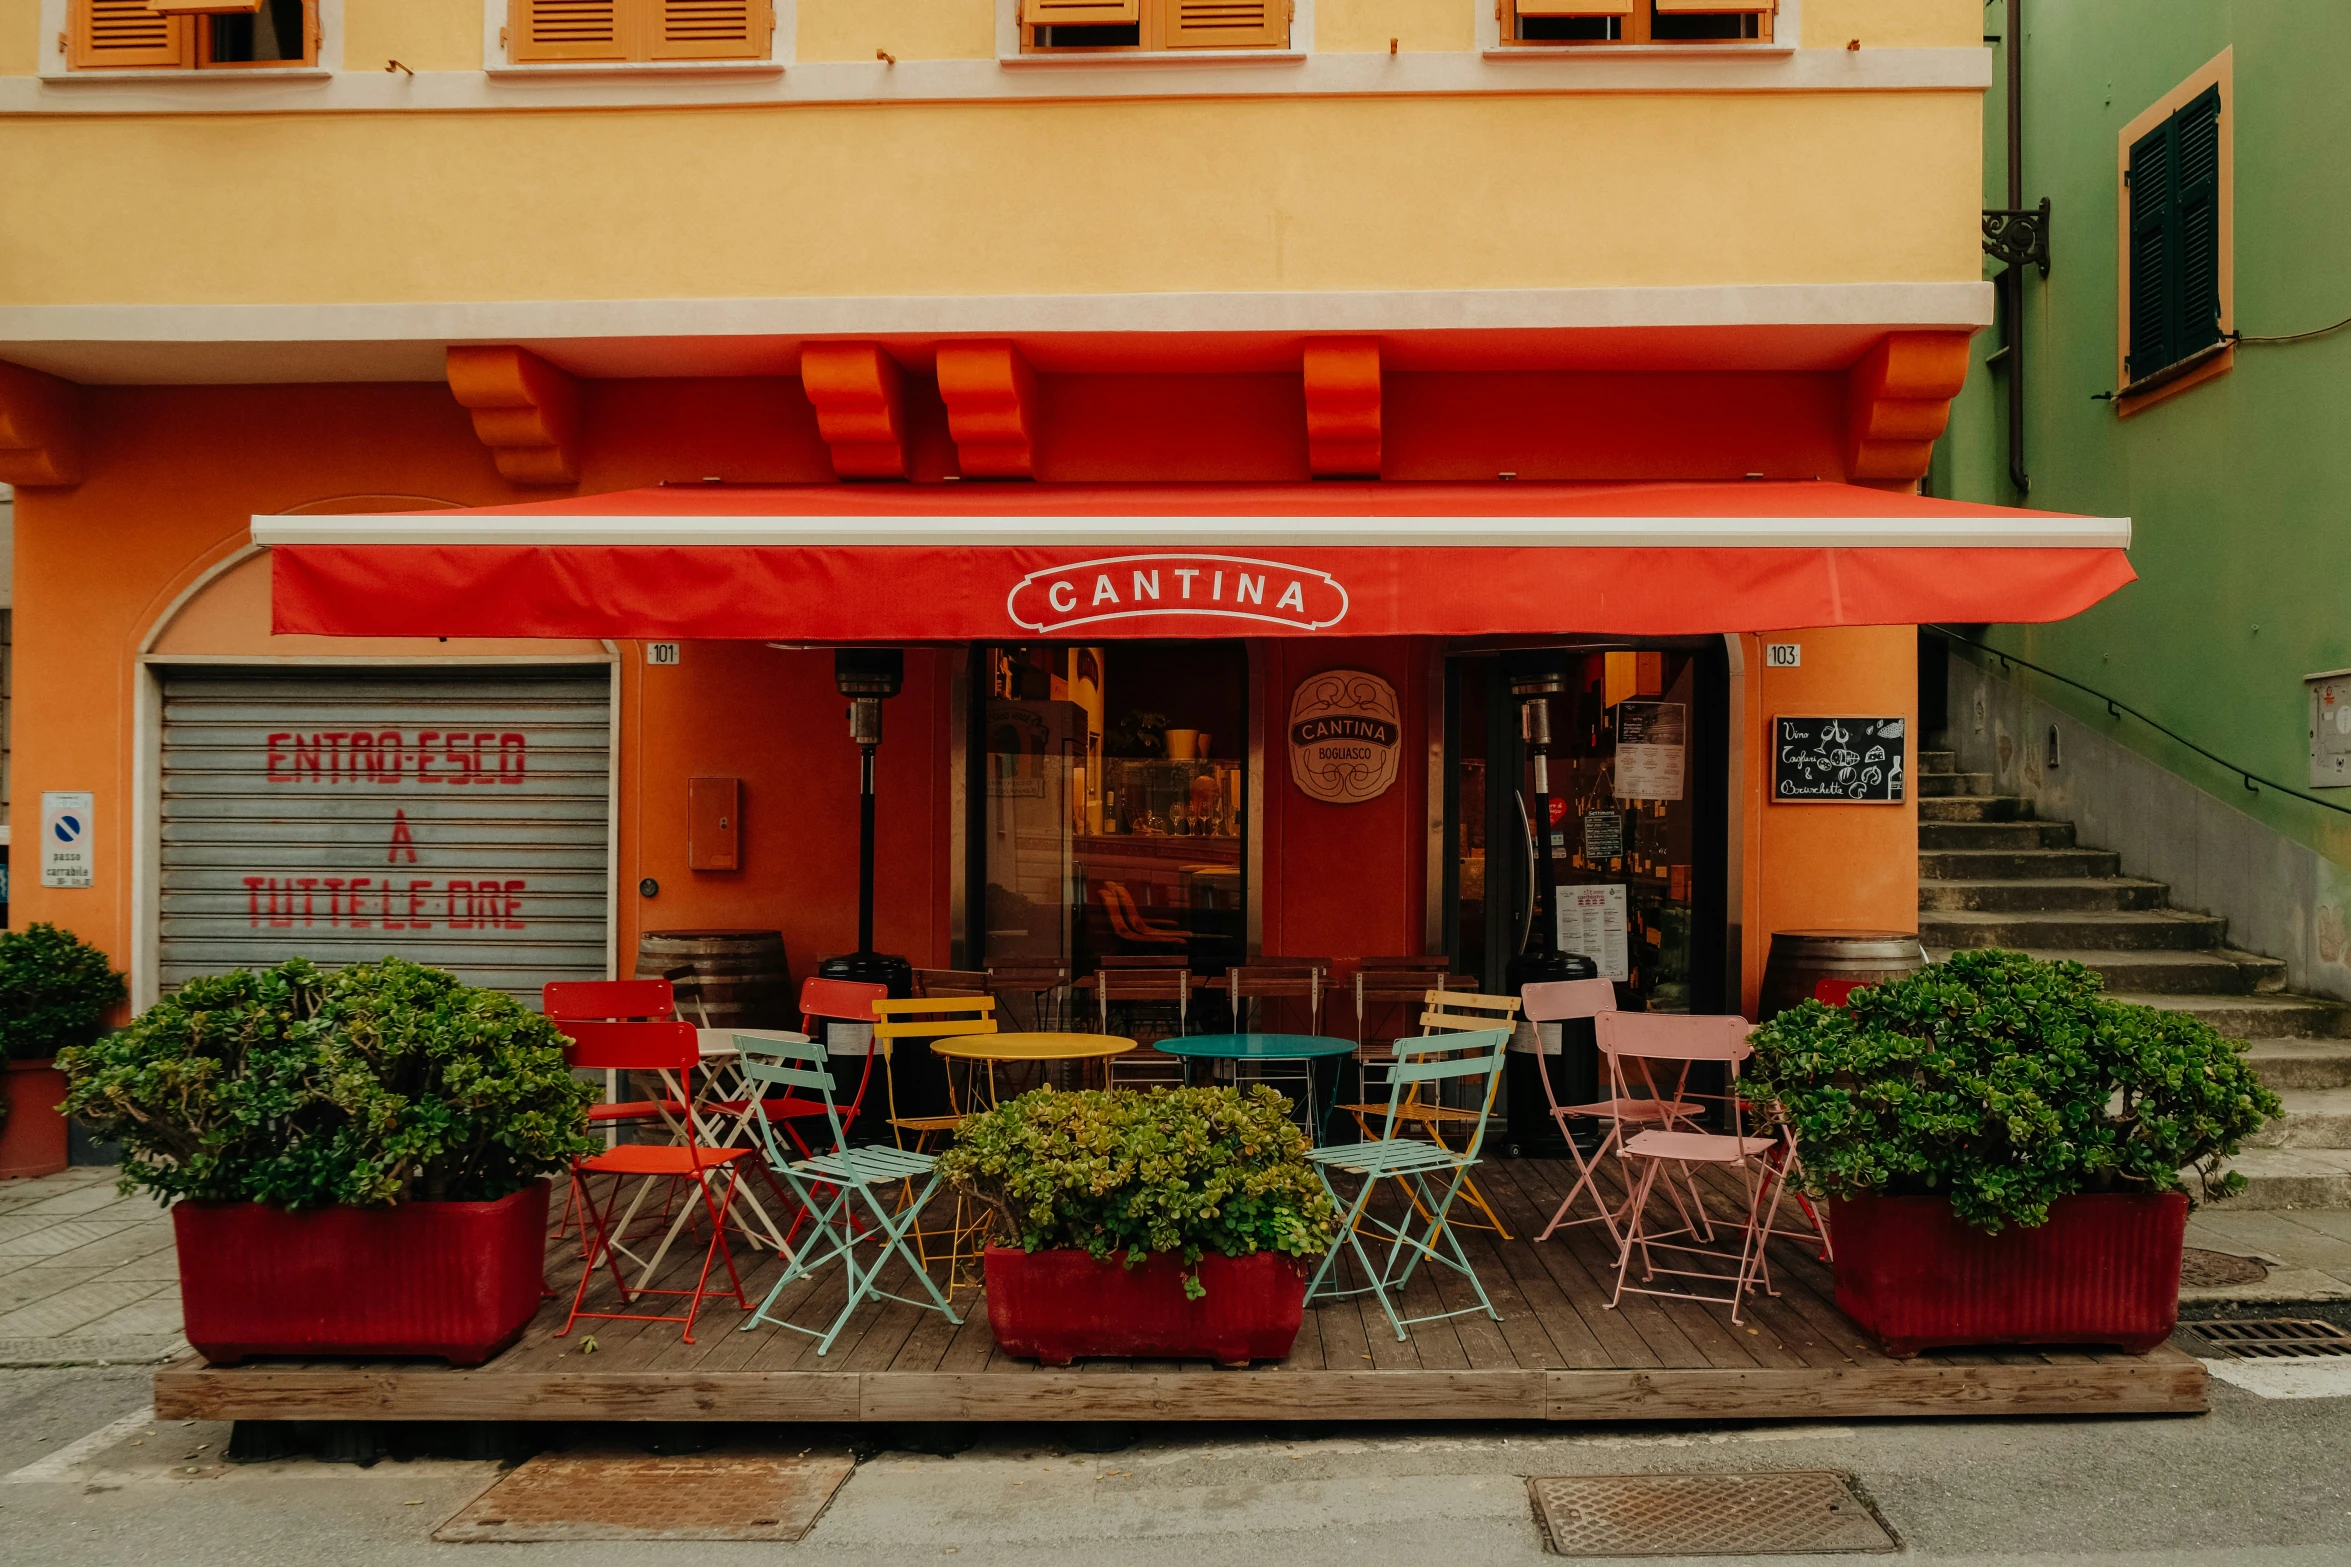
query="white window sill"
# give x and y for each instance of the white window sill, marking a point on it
(635, 70)
(1564, 51)
(1135, 57)
(174, 76)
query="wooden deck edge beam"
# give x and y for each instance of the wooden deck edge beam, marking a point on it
(2164, 1383)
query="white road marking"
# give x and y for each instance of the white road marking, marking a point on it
(2286, 1378)
(61, 1464)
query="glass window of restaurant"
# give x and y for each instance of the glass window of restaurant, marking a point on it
(1112, 801)
(1639, 815)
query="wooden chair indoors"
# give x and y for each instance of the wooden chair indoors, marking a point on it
(950, 982)
(1130, 924)
(1284, 982)
(1031, 994)
(1130, 981)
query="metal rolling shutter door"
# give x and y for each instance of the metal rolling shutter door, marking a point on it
(455, 817)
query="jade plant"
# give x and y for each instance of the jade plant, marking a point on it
(367, 1086)
(2003, 1083)
(55, 991)
(1125, 1173)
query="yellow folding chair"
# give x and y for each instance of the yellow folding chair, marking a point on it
(931, 1017)
(1442, 1012)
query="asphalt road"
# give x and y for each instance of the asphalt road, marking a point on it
(2257, 1483)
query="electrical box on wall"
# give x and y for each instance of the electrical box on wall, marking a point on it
(714, 824)
(2330, 729)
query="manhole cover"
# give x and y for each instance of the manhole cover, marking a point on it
(2275, 1338)
(1807, 1510)
(2200, 1269)
(702, 1497)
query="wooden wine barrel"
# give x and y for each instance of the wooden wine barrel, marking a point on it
(743, 979)
(1801, 959)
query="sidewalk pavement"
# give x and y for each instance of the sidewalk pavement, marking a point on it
(88, 1277)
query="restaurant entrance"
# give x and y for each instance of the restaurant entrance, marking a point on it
(1638, 835)
(1114, 801)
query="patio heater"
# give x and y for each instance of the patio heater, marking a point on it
(869, 676)
(1539, 959)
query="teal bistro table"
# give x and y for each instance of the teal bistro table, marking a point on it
(1302, 1048)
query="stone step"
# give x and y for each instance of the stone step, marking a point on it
(2105, 893)
(1995, 835)
(2143, 930)
(2289, 1020)
(2017, 864)
(1938, 761)
(2312, 1065)
(1973, 808)
(1944, 785)
(2216, 971)
(2288, 1178)
(2314, 1118)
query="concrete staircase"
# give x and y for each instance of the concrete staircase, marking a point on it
(1990, 875)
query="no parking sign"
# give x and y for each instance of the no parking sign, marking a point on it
(66, 857)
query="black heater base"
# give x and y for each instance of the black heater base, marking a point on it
(922, 1083)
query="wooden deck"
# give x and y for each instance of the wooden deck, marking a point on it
(1559, 1354)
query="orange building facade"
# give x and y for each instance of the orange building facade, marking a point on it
(380, 337)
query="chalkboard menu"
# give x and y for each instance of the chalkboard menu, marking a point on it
(1848, 759)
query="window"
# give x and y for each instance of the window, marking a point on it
(618, 32)
(1065, 26)
(2172, 190)
(118, 35)
(1636, 21)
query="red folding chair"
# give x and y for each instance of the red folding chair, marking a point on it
(843, 1000)
(670, 1050)
(571, 1001)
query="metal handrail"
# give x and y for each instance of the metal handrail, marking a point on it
(2254, 782)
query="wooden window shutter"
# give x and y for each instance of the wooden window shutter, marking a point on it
(2196, 167)
(710, 29)
(1575, 7)
(2175, 237)
(1226, 24)
(566, 30)
(1675, 7)
(1079, 13)
(115, 35)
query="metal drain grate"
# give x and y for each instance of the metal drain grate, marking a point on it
(593, 1496)
(2275, 1338)
(2200, 1269)
(1794, 1512)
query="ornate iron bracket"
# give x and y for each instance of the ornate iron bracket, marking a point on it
(2018, 237)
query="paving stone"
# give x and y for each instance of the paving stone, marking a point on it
(55, 1239)
(70, 1308)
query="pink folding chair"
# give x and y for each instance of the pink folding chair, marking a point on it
(1558, 1001)
(1654, 1038)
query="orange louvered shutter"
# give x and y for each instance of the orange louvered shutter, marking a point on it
(114, 35)
(566, 30)
(1676, 7)
(1575, 7)
(1225, 24)
(1079, 13)
(710, 29)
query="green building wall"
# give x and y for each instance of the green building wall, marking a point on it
(2239, 489)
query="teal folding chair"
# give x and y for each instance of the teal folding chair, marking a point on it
(828, 1184)
(1428, 1176)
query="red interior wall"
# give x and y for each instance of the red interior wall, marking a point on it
(1346, 881)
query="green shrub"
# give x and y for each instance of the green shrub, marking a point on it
(1186, 1171)
(55, 991)
(376, 1084)
(2004, 1083)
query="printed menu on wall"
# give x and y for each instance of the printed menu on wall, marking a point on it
(1652, 743)
(1592, 924)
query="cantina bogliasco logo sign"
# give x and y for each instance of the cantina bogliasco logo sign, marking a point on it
(1176, 586)
(1346, 735)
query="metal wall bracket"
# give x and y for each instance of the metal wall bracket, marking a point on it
(2018, 237)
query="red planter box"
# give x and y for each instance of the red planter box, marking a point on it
(1056, 1306)
(455, 1279)
(2105, 1269)
(33, 1141)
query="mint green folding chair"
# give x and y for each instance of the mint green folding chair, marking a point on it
(830, 1186)
(1428, 1177)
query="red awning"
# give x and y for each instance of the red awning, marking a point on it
(958, 561)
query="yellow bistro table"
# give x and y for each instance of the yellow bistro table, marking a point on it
(1001, 1049)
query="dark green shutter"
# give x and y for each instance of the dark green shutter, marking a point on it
(2175, 238)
